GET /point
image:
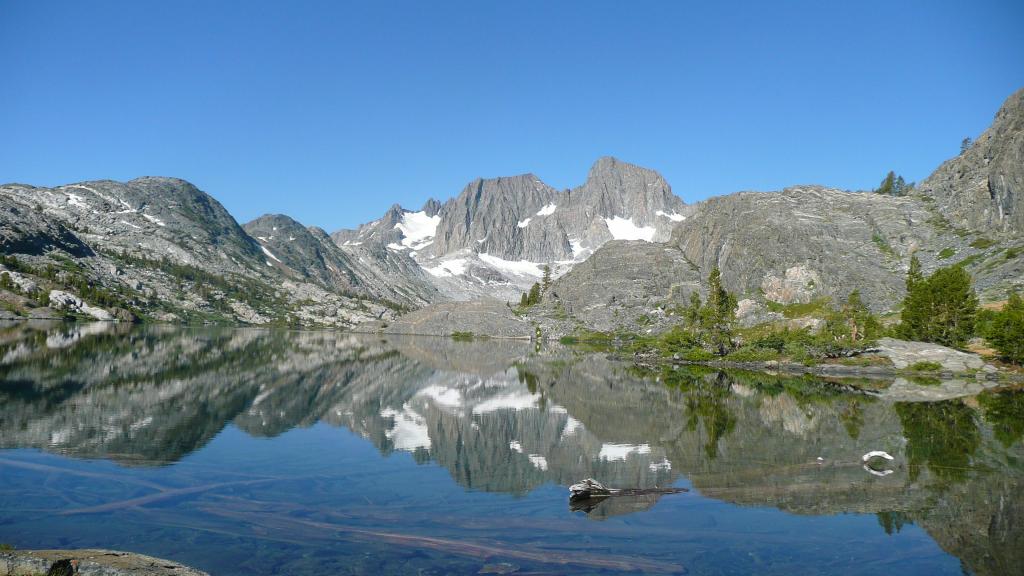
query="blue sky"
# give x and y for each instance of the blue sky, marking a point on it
(332, 111)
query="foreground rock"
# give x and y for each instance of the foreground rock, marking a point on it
(904, 354)
(91, 562)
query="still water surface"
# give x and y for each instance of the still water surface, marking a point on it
(259, 452)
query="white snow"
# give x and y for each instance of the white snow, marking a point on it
(539, 462)
(663, 465)
(396, 247)
(547, 210)
(578, 251)
(136, 226)
(671, 216)
(269, 254)
(513, 401)
(409, 431)
(450, 268)
(619, 452)
(154, 220)
(76, 200)
(517, 267)
(524, 223)
(572, 425)
(515, 445)
(442, 396)
(418, 229)
(625, 229)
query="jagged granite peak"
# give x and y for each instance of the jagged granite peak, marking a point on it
(617, 188)
(983, 188)
(431, 207)
(488, 214)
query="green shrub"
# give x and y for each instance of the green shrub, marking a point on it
(697, 355)
(752, 354)
(982, 243)
(1007, 331)
(925, 366)
(946, 253)
(463, 336)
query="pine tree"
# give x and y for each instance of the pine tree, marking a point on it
(534, 296)
(1007, 334)
(524, 301)
(940, 309)
(886, 186)
(547, 277)
(692, 311)
(718, 314)
(914, 275)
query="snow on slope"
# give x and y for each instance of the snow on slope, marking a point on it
(625, 229)
(418, 229)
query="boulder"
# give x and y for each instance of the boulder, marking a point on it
(903, 354)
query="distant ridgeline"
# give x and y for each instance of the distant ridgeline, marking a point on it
(616, 252)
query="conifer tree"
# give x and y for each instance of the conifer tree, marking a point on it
(940, 309)
(718, 314)
(534, 296)
(547, 277)
(914, 273)
(1007, 334)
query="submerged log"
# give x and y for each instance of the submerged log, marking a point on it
(590, 489)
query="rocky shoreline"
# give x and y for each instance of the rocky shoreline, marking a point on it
(91, 562)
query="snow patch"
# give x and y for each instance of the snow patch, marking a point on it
(539, 462)
(396, 247)
(658, 466)
(547, 210)
(572, 426)
(517, 267)
(154, 220)
(409, 431)
(418, 229)
(619, 452)
(269, 254)
(524, 223)
(442, 396)
(513, 401)
(625, 229)
(671, 216)
(450, 268)
(515, 445)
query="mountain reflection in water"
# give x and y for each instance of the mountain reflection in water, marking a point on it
(498, 418)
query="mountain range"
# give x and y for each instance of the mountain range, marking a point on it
(621, 247)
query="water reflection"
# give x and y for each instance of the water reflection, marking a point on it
(501, 418)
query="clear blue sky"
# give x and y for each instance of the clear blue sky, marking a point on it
(331, 111)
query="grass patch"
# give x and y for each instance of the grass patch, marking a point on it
(1012, 253)
(752, 354)
(946, 253)
(982, 243)
(970, 260)
(568, 340)
(883, 245)
(463, 336)
(798, 310)
(925, 366)
(925, 380)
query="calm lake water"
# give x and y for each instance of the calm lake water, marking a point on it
(261, 452)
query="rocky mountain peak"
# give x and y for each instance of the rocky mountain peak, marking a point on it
(983, 187)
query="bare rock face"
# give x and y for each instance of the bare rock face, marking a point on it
(904, 354)
(61, 300)
(983, 188)
(797, 286)
(495, 236)
(92, 562)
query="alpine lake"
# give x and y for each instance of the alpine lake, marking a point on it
(247, 451)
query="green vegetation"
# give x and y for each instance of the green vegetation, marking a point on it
(1006, 330)
(883, 245)
(532, 297)
(925, 366)
(463, 336)
(1005, 411)
(946, 253)
(982, 243)
(893, 185)
(815, 307)
(940, 308)
(1012, 253)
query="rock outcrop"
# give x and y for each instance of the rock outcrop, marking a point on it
(983, 187)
